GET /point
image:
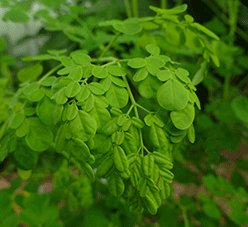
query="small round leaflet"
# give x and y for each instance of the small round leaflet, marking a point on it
(172, 95)
(39, 136)
(183, 119)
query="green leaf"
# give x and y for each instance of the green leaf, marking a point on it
(60, 97)
(88, 105)
(148, 87)
(96, 88)
(52, 4)
(71, 111)
(78, 149)
(130, 144)
(200, 74)
(3, 44)
(48, 81)
(23, 129)
(211, 209)
(183, 74)
(154, 63)
(195, 99)
(165, 74)
(116, 70)
(16, 15)
(130, 26)
(118, 137)
(157, 121)
(24, 174)
(136, 63)
(174, 35)
(101, 114)
(105, 166)
(67, 70)
(140, 75)
(120, 159)
(205, 30)
(83, 94)
(24, 157)
(33, 92)
(88, 171)
(176, 10)
(76, 73)
(60, 139)
(116, 185)
(99, 72)
(8, 144)
(86, 125)
(158, 137)
(118, 81)
(80, 58)
(117, 96)
(29, 73)
(137, 122)
(72, 89)
(183, 119)
(172, 95)
(153, 49)
(42, 57)
(151, 205)
(240, 107)
(66, 61)
(17, 119)
(48, 111)
(106, 83)
(148, 165)
(191, 134)
(39, 137)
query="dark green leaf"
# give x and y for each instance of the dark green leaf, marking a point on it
(240, 107)
(29, 73)
(39, 137)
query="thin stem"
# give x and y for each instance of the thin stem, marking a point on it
(131, 97)
(3, 128)
(223, 17)
(135, 111)
(130, 109)
(128, 8)
(51, 72)
(233, 7)
(226, 88)
(143, 108)
(135, 8)
(163, 4)
(243, 82)
(104, 59)
(185, 217)
(109, 45)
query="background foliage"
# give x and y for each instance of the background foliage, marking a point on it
(137, 64)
